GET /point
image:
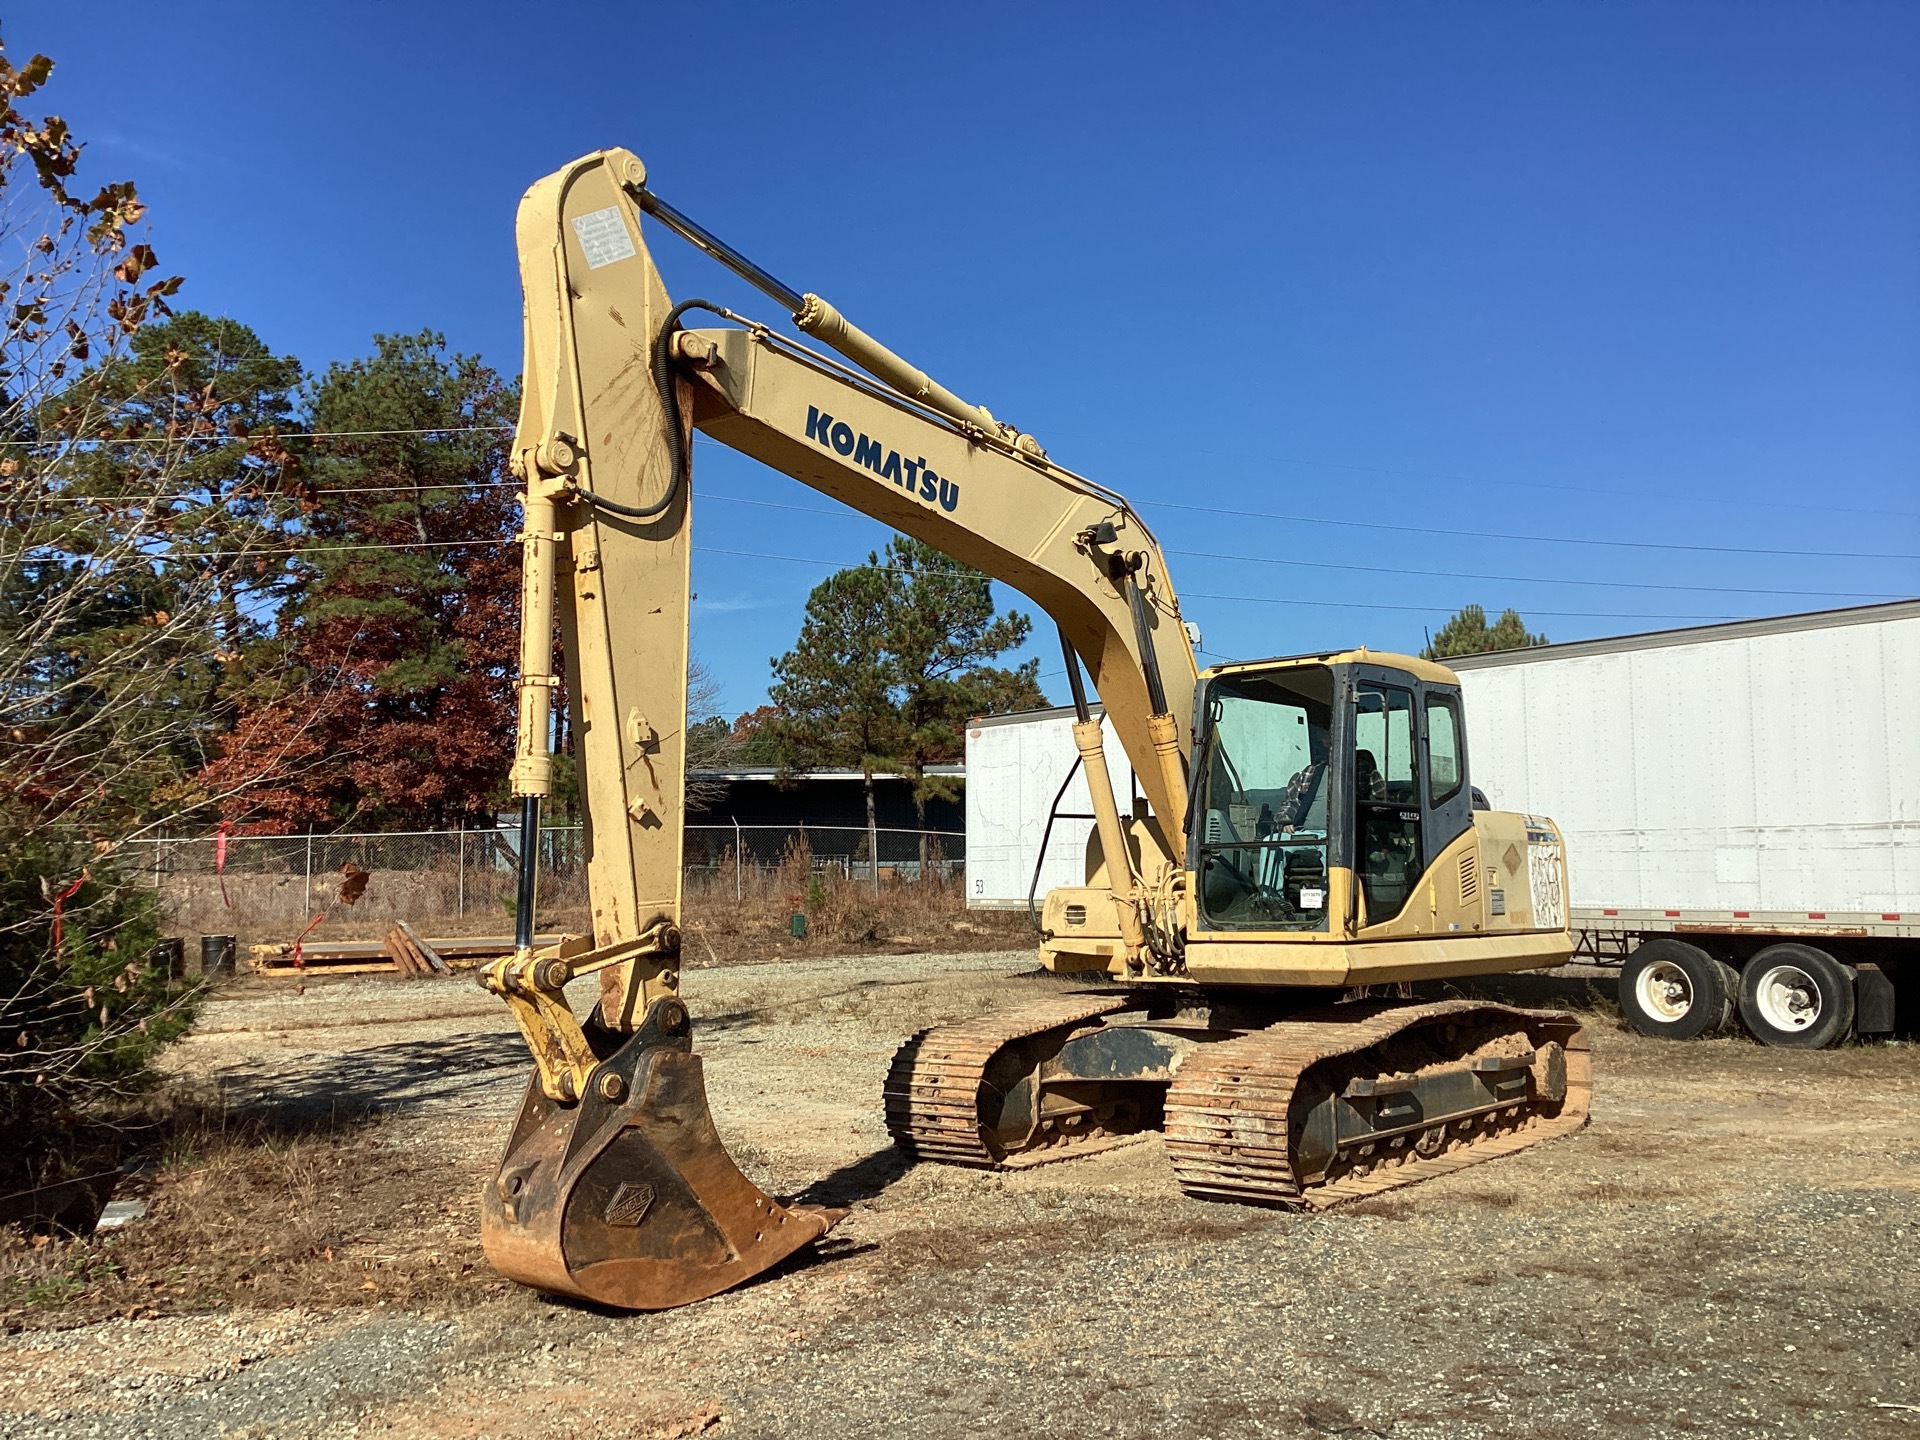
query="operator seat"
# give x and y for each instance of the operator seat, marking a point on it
(1369, 785)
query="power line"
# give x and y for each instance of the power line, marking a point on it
(1401, 570)
(78, 440)
(1527, 539)
(1443, 609)
(291, 495)
(968, 574)
(305, 550)
(1153, 504)
(1545, 579)
(1535, 484)
(1458, 479)
(957, 575)
(1256, 599)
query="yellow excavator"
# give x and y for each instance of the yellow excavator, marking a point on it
(1306, 843)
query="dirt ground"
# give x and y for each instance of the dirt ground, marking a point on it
(1729, 1249)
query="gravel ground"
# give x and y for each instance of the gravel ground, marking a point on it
(1729, 1249)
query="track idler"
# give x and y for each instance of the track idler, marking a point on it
(627, 1197)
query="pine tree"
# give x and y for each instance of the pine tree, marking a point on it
(403, 642)
(941, 632)
(833, 692)
(1468, 633)
(190, 415)
(892, 660)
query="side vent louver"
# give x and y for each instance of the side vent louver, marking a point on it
(1469, 879)
(1076, 914)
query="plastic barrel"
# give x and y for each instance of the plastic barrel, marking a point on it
(216, 954)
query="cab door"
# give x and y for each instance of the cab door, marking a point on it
(1447, 797)
(1405, 765)
(1384, 770)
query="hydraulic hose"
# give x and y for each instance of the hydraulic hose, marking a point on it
(670, 407)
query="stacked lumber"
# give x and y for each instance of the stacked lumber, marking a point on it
(410, 954)
(384, 957)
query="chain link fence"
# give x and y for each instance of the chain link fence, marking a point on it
(464, 881)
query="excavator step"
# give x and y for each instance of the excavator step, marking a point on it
(1346, 1102)
(934, 1086)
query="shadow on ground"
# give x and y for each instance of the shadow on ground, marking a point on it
(1535, 989)
(863, 1180)
(401, 1076)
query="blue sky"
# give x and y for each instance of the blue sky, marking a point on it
(1624, 297)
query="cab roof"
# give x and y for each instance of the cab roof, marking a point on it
(1415, 668)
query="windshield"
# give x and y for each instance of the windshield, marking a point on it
(1263, 838)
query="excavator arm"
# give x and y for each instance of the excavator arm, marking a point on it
(614, 1186)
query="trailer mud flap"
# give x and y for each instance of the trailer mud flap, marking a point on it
(628, 1198)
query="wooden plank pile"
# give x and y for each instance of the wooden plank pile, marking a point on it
(410, 954)
(402, 952)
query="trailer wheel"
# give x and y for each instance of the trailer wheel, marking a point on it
(1674, 990)
(1796, 996)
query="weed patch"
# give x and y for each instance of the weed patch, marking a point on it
(259, 1211)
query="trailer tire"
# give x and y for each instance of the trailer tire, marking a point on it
(1730, 982)
(1797, 997)
(1674, 991)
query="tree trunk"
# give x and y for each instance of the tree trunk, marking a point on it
(873, 829)
(920, 821)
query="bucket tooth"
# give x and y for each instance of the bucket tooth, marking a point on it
(627, 1198)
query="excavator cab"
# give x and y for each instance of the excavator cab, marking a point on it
(1314, 765)
(1334, 838)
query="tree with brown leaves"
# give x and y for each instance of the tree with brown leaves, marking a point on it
(395, 706)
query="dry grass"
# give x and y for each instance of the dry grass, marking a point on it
(261, 1212)
(843, 915)
(266, 908)
(1382, 1207)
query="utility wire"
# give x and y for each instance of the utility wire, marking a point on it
(1254, 599)
(1422, 477)
(262, 495)
(1528, 539)
(1401, 570)
(1546, 579)
(1436, 609)
(1145, 504)
(1743, 504)
(1443, 609)
(305, 550)
(71, 441)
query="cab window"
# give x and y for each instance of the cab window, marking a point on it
(1443, 748)
(1262, 847)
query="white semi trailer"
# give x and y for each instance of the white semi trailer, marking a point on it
(1740, 804)
(1741, 807)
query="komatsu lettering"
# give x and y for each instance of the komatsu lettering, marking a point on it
(914, 476)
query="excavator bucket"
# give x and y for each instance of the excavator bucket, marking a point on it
(627, 1197)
